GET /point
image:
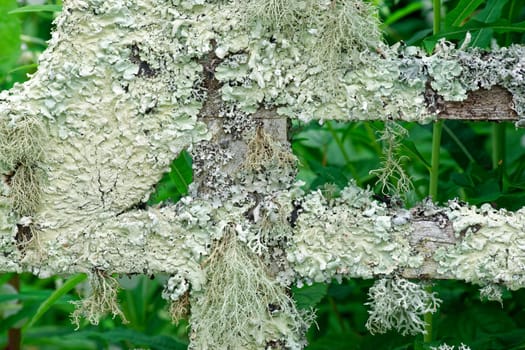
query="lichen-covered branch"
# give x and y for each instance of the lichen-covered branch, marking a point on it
(126, 85)
(354, 236)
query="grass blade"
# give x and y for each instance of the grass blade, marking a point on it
(46, 305)
(37, 8)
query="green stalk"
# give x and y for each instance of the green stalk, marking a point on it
(498, 145)
(428, 318)
(436, 5)
(434, 164)
(498, 130)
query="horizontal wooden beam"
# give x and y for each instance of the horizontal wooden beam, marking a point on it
(494, 104)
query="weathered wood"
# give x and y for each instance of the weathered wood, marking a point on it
(494, 104)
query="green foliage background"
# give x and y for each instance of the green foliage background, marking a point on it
(480, 163)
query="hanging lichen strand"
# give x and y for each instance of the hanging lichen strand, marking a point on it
(126, 85)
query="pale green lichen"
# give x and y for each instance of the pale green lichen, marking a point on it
(25, 189)
(350, 236)
(264, 154)
(492, 292)
(241, 307)
(102, 299)
(392, 176)
(180, 309)
(139, 85)
(455, 72)
(120, 92)
(491, 248)
(396, 303)
(22, 141)
(338, 29)
(21, 155)
(10, 255)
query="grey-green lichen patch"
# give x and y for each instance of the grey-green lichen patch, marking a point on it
(241, 306)
(492, 292)
(396, 303)
(337, 28)
(22, 140)
(10, 255)
(263, 65)
(116, 94)
(159, 240)
(121, 91)
(102, 299)
(454, 72)
(25, 188)
(176, 292)
(349, 236)
(391, 174)
(491, 249)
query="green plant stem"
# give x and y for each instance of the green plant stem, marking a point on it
(333, 304)
(511, 15)
(498, 145)
(434, 164)
(436, 5)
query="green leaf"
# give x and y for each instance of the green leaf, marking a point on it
(13, 320)
(418, 36)
(181, 172)
(309, 296)
(26, 296)
(482, 38)
(10, 31)
(46, 305)
(174, 184)
(403, 12)
(492, 11)
(37, 8)
(5, 277)
(410, 148)
(500, 26)
(462, 11)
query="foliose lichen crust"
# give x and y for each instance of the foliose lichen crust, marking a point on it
(115, 96)
(349, 236)
(120, 92)
(129, 76)
(10, 253)
(491, 248)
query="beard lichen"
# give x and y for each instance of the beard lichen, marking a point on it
(102, 299)
(264, 152)
(241, 306)
(25, 188)
(22, 141)
(392, 176)
(21, 151)
(399, 304)
(180, 308)
(337, 29)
